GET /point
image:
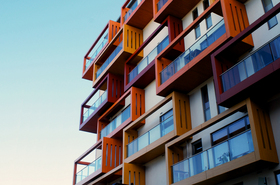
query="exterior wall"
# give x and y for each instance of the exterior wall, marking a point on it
(155, 171)
(254, 10)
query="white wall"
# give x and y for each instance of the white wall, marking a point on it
(155, 171)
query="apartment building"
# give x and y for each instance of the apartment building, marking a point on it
(185, 92)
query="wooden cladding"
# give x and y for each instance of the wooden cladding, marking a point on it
(132, 39)
(114, 28)
(115, 87)
(111, 154)
(175, 27)
(236, 19)
(137, 103)
(133, 174)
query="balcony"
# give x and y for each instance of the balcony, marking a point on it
(201, 44)
(163, 8)
(193, 66)
(116, 118)
(173, 114)
(148, 59)
(251, 64)
(238, 147)
(121, 118)
(98, 47)
(106, 93)
(227, 151)
(236, 77)
(107, 155)
(137, 13)
(152, 135)
(112, 59)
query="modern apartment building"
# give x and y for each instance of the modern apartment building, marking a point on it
(185, 92)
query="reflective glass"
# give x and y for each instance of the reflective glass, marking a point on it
(155, 134)
(143, 141)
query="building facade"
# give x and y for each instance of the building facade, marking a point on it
(185, 92)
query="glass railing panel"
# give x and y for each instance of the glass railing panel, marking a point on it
(133, 7)
(115, 123)
(148, 59)
(160, 4)
(201, 44)
(252, 64)
(109, 59)
(227, 151)
(97, 50)
(95, 105)
(152, 135)
(86, 171)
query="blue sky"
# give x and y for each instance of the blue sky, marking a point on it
(42, 45)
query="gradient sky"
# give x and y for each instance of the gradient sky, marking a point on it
(42, 45)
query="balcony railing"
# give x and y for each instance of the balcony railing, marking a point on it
(225, 152)
(160, 4)
(86, 171)
(133, 7)
(95, 105)
(109, 60)
(97, 51)
(148, 59)
(152, 135)
(115, 123)
(205, 41)
(250, 65)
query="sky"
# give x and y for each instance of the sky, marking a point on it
(42, 45)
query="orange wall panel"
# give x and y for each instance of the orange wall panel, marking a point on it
(132, 39)
(175, 27)
(137, 103)
(133, 174)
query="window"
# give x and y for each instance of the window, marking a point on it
(197, 29)
(197, 147)
(277, 176)
(231, 130)
(206, 105)
(267, 5)
(166, 121)
(208, 21)
(221, 109)
(205, 4)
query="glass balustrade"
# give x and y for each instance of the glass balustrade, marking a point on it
(95, 105)
(152, 135)
(148, 59)
(222, 153)
(97, 51)
(252, 64)
(132, 8)
(160, 4)
(206, 40)
(89, 169)
(109, 59)
(115, 123)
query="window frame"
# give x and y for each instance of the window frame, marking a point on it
(266, 10)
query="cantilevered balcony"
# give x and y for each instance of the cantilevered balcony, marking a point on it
(137, 13)
(148, 59)
(98, 46)
(106, 155)
(238, 75)
(112, 59)
(201, 44)
(141, 73)
(106, 93)
(173, 114)
(152, 135)
(239, 139)
(116, 118)
(193, 66)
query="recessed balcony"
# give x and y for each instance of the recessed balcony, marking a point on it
(193, 66)
(104, 156)
(238, 75)
(173, 114)
(98, 47)
(238, 143)
(137, 13)
(108, 91)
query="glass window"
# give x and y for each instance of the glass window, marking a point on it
(267, 5)
(237, 127)
(205, 4)
(219, 136)
(208, 21)
(195, 13)
(197, 32)
(197, 147)
(206, 105)
(277, 176)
